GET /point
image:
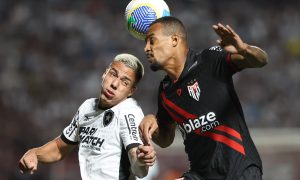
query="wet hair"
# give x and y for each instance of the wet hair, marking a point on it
(172, 25)
(132, 62)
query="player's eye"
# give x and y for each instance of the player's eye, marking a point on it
(113, 73)
(151, 41)
(125, 83)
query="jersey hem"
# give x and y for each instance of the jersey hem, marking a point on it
(130, 146)
(63, 137)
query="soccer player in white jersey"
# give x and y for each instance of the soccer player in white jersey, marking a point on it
(104, 128)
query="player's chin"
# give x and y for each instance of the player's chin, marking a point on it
(107, 102)
(155, 67)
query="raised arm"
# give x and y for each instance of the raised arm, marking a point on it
(51, 152)
(243, 55)
(162, 134)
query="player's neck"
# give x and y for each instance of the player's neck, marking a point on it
(176, 66)
(174, 71)
(101, 106)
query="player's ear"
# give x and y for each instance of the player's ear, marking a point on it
(175, 40)
(133, 89)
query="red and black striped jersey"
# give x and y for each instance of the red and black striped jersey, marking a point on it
(206, 108)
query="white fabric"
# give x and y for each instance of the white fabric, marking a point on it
(100, 145)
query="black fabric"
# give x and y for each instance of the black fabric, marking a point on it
(124, 170)
(206, 108)
(251, 173)
(62, 136)
(132, 146)
(191, 176)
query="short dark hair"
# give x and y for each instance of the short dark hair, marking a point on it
(171, 25)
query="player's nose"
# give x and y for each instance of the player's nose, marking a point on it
(115, 83)
(147, 47)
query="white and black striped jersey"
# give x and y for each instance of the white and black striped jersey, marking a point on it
(104, 138)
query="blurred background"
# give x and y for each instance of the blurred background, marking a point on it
(53, 52)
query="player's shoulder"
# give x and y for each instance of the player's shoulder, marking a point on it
(128, 105)
(211, 50)
(215, 49)
(214, 53)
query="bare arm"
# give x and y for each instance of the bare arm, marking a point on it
(243, 55)
(52, 151)
(163, 134)
(140, 159)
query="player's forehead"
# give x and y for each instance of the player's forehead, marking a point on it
(155, 30)
(123, 70)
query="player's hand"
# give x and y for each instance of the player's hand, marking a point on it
(147, 127)
(230, 40)
(146, 155)
(29, 162)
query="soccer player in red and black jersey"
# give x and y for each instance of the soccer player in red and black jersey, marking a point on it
(198, 96)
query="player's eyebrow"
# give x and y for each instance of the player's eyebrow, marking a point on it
(127, 78)
(113, 69)
(148, 36)
(123, 77)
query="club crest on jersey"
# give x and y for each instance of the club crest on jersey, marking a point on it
(194, 90)
(107, 118)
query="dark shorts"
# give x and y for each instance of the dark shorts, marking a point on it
(250, 173)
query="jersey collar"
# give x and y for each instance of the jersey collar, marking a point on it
(189, 63)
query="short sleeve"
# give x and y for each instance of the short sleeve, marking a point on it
(220, 61)
(70, 133)
(130, 120)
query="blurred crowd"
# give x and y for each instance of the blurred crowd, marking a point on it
(53, 53)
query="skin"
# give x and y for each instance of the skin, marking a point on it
(169, 52)
(243, 55)
(118, 83)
